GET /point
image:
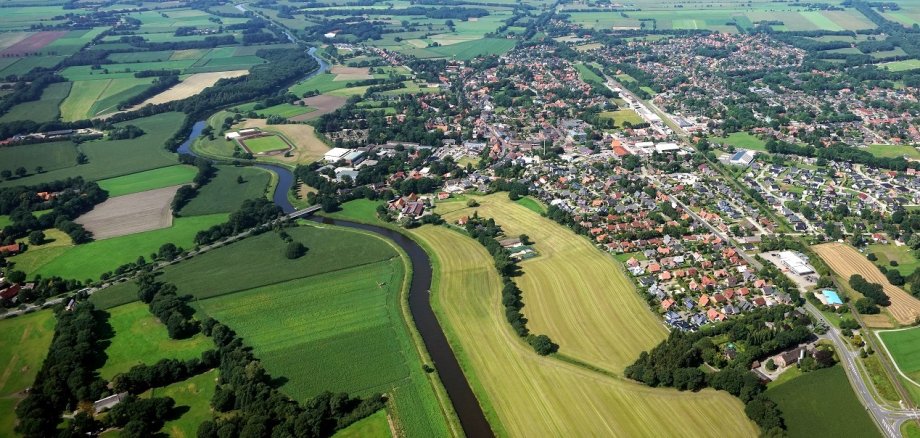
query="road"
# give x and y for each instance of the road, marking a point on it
(888, 420)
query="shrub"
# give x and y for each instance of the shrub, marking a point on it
(294, 250)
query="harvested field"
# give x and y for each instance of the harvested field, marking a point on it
(33, 43)
(129, 214)
(324, 104)
(307, 146)
(343, 73)
(191, 86)
(846, 261)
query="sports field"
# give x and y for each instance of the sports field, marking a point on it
(261, 145)
(24, 341)
(141, 338)
(524, 394)
(149, 180)
(822, 404)
(904, 348)
(194, 393)
(742, 140)
(846, 261)
(307, 146)
(621, 116)
(223, 194)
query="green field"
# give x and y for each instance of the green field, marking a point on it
(622, 116)
(904, 348)
(471, 49)
(742, 140)
(587, 75)
(24, 341)
(822, 404)
(264, 144)
(195, 393)
(223, 194)
(90, 260)
(375, 426)
(323, 83)
(140, 338)
(42, 110)
(907, 64)
(285, 110)
(532, 205)
(907, 263)
(51, 156)
(90, 98)
(111, 158)
(149, 180)
(893, 151)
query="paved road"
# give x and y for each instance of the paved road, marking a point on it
(888, 420)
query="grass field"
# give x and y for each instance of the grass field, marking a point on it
(140, 338)
(587, 75)
(85, 96)
(285, 110)
(907, 263)
(880, 379)
(524, 394)
(90, 260)
(42, 110)
(904, 348)
(264, 144)
(223, 194)
(893, 151)
(110, 158)
(835, 413)
(24, 341)
(742, 140)
(907, 64)
(621, 116)
(846, 261)
(51, 156)
(149, 180)
(532, 204)
(323, 83)
(375, 426)
(194, 393)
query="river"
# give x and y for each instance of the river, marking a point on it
(472, 419)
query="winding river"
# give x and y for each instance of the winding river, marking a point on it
(470, 414)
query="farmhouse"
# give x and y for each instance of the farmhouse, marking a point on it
(11, 249)
(796, 263)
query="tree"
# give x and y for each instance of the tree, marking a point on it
(240, 180)
(771, 365)
(6, 174)
(16, 277)
(294, 250)
(168, 251)
(543, 345)
(21, 171)
(894, 277)
(36, 237)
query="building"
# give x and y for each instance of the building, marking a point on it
(666, 147)
(796, 263)
(742, 157)
(790, 357)
(108, 402)
(11, 250)
(336, 154)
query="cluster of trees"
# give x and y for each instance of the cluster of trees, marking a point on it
(840, 152)
(252, 213)
(209, 42)
(186, 193)
(141, 417)
(28, 92)
(165, 372)
(873, 296)
(67, 375)
(43, 288)
(166, 304)
(486, 232)
(74, 197)
(260, 409)
(675, 362)
(125, 132)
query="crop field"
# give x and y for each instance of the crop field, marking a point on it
(323, 83)
(195, 393)
(149, 180)
(111, 158)
(524, 394)
(191, 86)
(140, 338)
(130, 214)
(904, 348)
(264, 144)
(467, 50)
(94, 258)
(846, 261)
(223, 194)
(51, 156)
(886, 253)
(26, 64)
(285, 110)
(324, 104)
(742, 140)
(837, 412)
(42, 110)
(24, 341)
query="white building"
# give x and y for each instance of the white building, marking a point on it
(336, 154)
(796, 263)
(666, 147)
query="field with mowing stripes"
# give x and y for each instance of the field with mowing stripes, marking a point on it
(24, 341)
(90, 98)
(524, 394)
(846, 261)
(149, 180)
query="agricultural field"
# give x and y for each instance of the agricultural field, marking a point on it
(622, 116)
(24, 341)
(191, 86)
(223, 194)
(894, 151)
(903, 346)
(107, 158)
(587, 75)
(42, 110)
(374, 426)
(50, 156)
(545, 396)
(887, 253)
(323, 83)
(323, 104)
(285, 110)
(531, 204)
(130, 214)
(195, 393)
(837, 412)
(846, 261)
(140, 338)
(149, 180)
(742, 140)
(91, 98)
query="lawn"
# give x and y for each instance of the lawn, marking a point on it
(742, 140)
(24, 341)
(90, 260)
(264, 144)
(51, 156)
(886, 253)
(835, 413)
(375, 426)
(531, 204)
(140, 338)
(195, 393)
(111, 158)
(149, 180)
(622, 116)
(360, 210)
(894, 151)
(904, 348)
(223, 194)
(524, 394)
(43, 110)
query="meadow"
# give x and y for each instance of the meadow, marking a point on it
(907, 64)
(742, 140)
(835, 413)
(524, 394)
(904, 348)
(887, 253)
(24, 341)
(223, 194)
(148, 180)
(894, 151)
(194, 393)
(374, 426)
(140, 338)
(51, 156)
(622, 116)
(43, 110)
(89, 98)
